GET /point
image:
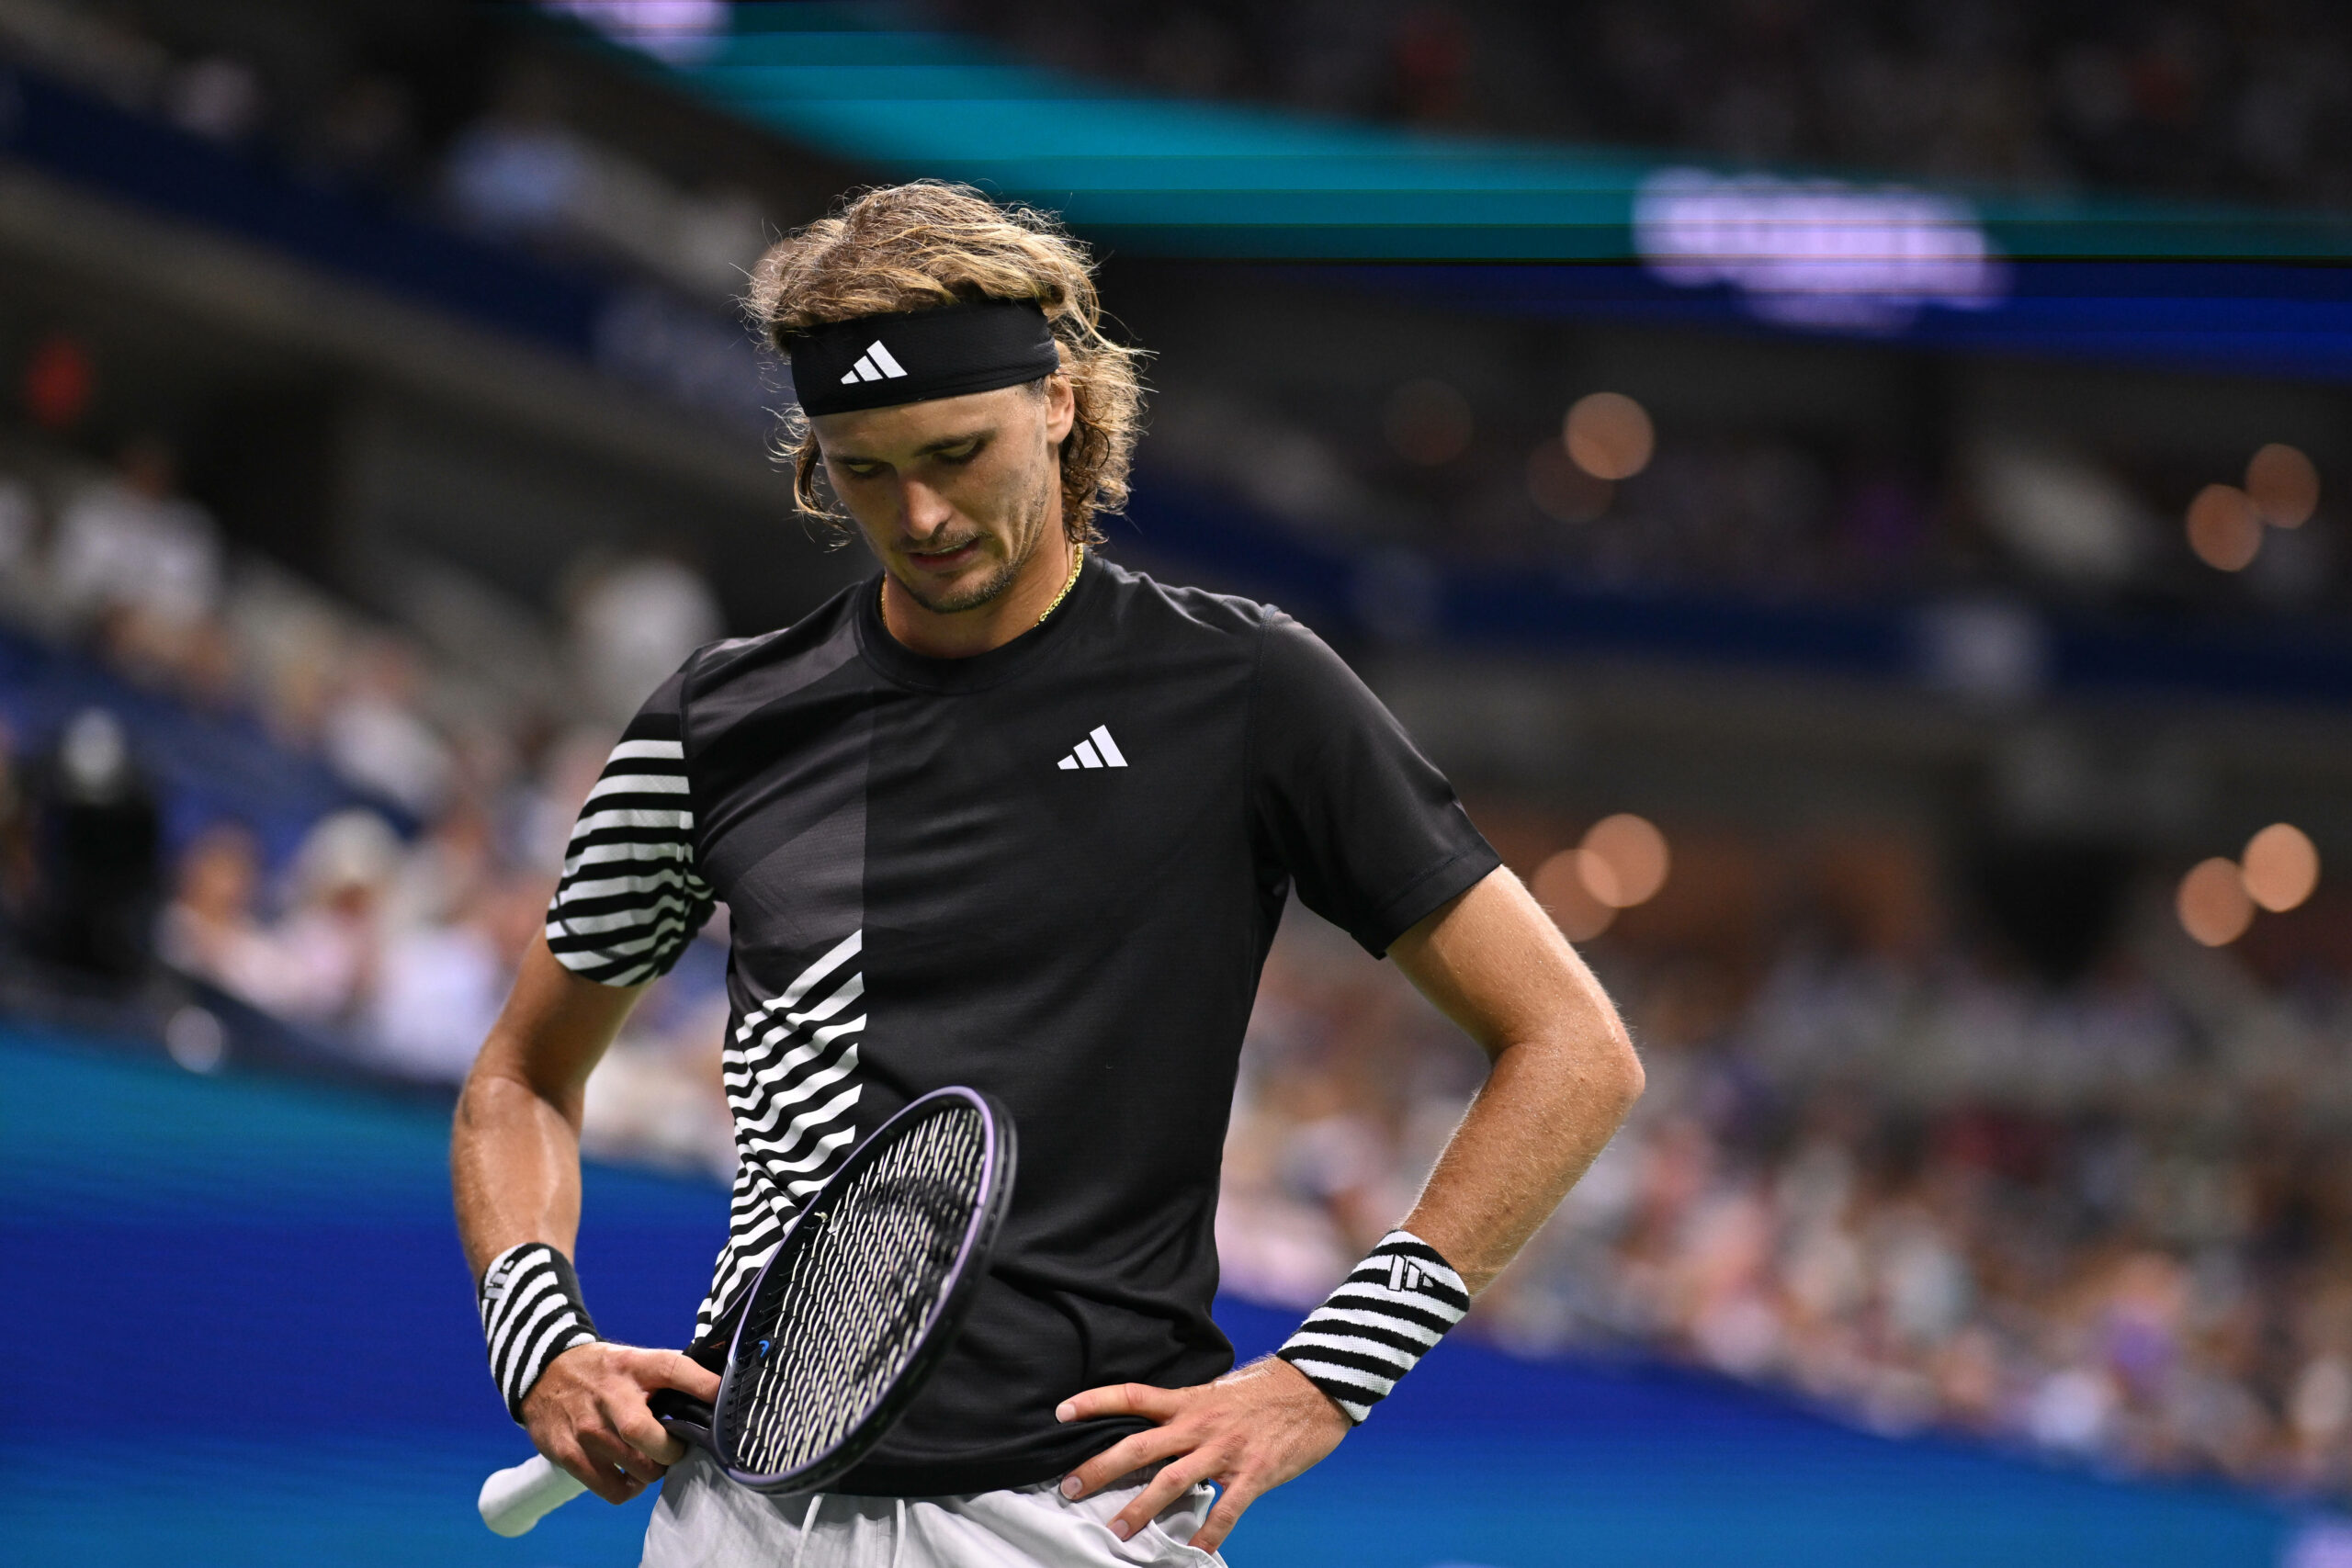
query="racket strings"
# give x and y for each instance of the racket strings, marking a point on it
(852, 1306)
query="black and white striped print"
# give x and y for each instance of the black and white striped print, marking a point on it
(630, 899)
(531, 1313)
(1381, 1320)
(790, 1072)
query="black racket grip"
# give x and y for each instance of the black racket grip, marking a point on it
(684, 1417)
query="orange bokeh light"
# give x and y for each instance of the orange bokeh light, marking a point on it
(2212, 902)
(1609, 435)
(2283, 484)
(2223, 527)
(2280, 868)
(1627, 861)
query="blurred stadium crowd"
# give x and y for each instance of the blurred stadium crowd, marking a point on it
(1881, 1162)
(435, 113)
(1454, 472)
(1606, 496)
(387, 926)
(1896, 1176)
(2231, 101)
(2100, 1213)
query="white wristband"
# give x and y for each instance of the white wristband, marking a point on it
(1382, 1318)
(531, 1313)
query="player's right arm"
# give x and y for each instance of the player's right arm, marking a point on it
(515, 1165)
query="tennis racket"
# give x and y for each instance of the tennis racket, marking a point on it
(849, 1317)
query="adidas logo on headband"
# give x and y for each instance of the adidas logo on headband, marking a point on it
(874, 364)
(971, 347)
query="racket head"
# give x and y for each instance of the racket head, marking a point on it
(864, 1295)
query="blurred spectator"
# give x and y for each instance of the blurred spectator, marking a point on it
(328, 943)
(438, 987)
(633, 622)
(376, 738)
(212, 928)
(131, 548)
(95, 838)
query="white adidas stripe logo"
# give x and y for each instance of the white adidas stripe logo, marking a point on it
(1405, 1275)
(874, 364)
(1097, 751)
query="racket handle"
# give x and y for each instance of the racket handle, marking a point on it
(519, 1496)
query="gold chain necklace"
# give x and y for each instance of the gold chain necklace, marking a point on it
(882, 590)
(1068, 583)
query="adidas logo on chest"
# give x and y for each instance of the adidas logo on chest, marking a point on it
(1097, 751)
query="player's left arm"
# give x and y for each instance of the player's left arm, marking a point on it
(1563, 1077)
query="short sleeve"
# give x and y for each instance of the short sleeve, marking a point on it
(631, 899)
(1368, 829)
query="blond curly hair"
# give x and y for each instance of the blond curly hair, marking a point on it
(930, 243)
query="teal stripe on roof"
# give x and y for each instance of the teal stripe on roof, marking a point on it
(1177, 177)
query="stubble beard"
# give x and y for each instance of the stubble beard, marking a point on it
(1029, 540)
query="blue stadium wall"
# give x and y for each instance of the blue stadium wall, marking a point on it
(237, 1331)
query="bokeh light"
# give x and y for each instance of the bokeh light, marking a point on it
(1627, 861)
(1563, 491)
(59, 382)
(2283, 484)
(2212, 902)
(2223, 527)
(1427, 421)
(2280, 868)
(1560, 885)
(1609, 435)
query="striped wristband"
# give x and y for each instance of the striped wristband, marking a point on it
(531, 1313)
(1382, 1319)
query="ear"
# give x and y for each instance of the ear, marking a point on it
(1061, 408)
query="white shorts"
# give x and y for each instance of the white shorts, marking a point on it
(704, 1520)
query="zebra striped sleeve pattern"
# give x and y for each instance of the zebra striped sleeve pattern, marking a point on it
(1381, 1320)
(630, 899)
(790, 1070)
(531, 1313)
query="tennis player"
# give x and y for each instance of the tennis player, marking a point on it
(1009, 815)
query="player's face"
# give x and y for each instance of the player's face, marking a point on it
(955, 495)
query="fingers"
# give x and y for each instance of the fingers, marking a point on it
(1236, 1497)
(617, 1452)
(1173, 1480)
(594, 1473)
(644, 1432)
(588, 1412)
(1120, 1399)
(670, 1368)
(1122, 1458)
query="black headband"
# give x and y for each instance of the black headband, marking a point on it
(876, 361)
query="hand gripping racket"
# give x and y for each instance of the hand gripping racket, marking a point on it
(849, 1317)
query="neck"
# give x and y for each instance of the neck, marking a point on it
(960, 633)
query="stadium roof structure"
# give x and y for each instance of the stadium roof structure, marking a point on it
(1586, 231)
(1165, 176)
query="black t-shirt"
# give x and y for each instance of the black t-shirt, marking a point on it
(1051, 872)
